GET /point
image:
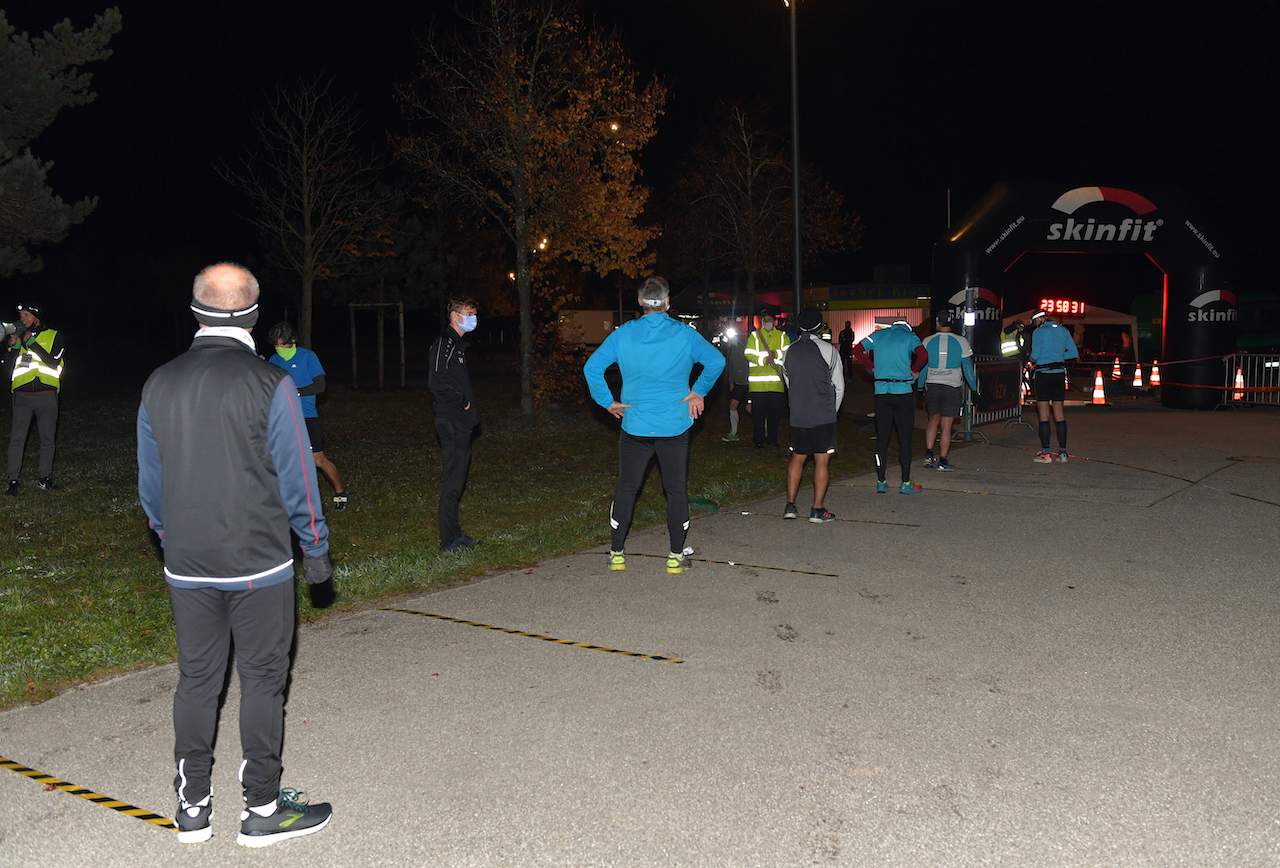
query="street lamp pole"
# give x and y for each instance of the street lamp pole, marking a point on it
(795, 165)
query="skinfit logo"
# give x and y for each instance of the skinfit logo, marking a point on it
(986, 306)
(1128, 229)
(1201, 312)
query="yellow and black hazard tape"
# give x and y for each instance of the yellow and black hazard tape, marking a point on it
(740, 564)
(90, 796)
(853, 520)
(515, 632)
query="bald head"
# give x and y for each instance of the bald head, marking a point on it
(225, 286)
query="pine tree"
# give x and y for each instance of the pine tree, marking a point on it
(39, 76)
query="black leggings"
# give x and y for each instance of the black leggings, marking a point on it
(634, 454)
(895, 412)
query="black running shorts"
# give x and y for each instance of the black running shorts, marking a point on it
(814, 441)
(1051, 387)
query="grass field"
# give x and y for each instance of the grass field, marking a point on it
(81, 588)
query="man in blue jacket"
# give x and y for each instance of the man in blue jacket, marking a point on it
(224, 473)
(950, 366)
(894, 356)
(1051, 347)
(308, 375)
(656, 355)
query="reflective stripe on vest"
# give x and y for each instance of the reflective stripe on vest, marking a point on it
(26, 372)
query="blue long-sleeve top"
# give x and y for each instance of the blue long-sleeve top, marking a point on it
(1051, 345)
(656, 355)
(950, 357)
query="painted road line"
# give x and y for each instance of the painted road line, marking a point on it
(737, 564)
(514, 632)
(854, 520)
(53, 783)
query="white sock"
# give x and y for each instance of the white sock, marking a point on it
(265, 810)
(733, 421)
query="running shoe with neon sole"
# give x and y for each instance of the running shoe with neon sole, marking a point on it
(293, 818)
(882, 487)
(730, 438)
(617, 561)
(790, 511)
(818, 515)
(1062, 457)
(910, 487)
(195, 822)
(929, 460)
(678, 563)
(1043, 458)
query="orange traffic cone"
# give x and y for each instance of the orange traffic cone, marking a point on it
(1099, 394)
(1238, 396)
(1155, 374)
(1137, 376)
(1115, 369)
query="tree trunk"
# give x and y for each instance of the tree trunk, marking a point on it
(524, 286)
(304, 311)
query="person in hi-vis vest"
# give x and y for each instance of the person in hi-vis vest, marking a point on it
(764, 380)
(34, 357)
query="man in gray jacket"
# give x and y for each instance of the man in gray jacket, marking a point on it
(224, 473)
(815, 379)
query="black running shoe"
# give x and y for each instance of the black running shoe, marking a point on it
(12, 490)
(46, 484)
(790, 511)
(195, 822)
(340, 501)
(293, 818)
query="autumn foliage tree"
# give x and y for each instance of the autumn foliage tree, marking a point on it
(39, 77)
(733, 204)
(532, 119)
(311, 185)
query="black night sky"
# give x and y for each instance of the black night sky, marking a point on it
(900, 103)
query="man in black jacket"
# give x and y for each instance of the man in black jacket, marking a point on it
(456, 418)
(815, 380)
(235, 477)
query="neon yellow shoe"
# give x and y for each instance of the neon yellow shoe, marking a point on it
(678, 563)
(617, 561)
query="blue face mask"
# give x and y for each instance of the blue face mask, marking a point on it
(468, 324)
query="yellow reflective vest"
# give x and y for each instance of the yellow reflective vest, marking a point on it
(28, 366)
(762, 377)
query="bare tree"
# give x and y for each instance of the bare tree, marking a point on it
(532, 120)
(734, 204)
(311, 186)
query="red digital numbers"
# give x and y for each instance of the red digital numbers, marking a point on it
(1062, 306)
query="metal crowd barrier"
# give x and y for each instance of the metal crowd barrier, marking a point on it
(1250, 378)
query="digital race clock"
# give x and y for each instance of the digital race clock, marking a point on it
(1062, 306)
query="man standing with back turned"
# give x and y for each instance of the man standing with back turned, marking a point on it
(950, 366)
(815, 379)
(1051, 347)
(656, 355)
(224, 472)
(894, 356)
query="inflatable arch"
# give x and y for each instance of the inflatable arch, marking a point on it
(1200, 314)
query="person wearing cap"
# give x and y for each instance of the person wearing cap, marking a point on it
(764, 348)
(224, 474)
(950, 366)
(894, 356)
(656, 355)
(308, 375)
(35, 377)
(1051, 348)
(814, 376)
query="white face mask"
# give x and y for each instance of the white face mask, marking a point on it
(768, 326)
(468, 323)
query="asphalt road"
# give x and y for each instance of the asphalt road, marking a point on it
(1026, 665)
